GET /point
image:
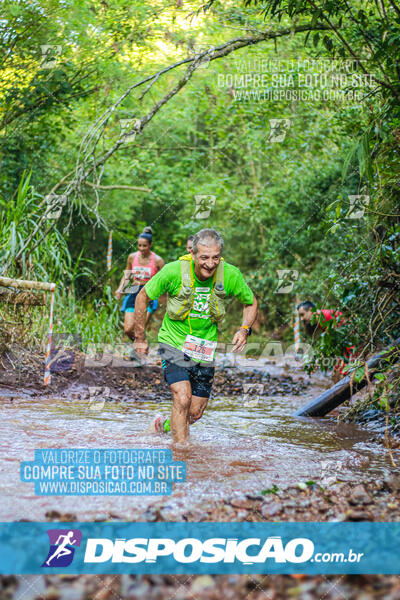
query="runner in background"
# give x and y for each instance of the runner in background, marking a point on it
(141, 266)
(197, 285)
(308, 312)
(189, 243)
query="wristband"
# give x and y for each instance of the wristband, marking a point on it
(247, 328)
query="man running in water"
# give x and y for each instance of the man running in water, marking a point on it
(141, 266)
(197, 285)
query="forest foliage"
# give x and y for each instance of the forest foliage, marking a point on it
(285, 112)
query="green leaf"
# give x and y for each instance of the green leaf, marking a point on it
(359, 374)
(273, 490)
(350, 156)
(334, 228)
(327, 43)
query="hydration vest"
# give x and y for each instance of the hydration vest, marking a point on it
(179, 306)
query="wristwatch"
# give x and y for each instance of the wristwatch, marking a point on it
(247, 328)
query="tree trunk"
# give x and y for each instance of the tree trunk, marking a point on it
(343, 390)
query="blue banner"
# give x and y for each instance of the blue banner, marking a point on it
(285, 548)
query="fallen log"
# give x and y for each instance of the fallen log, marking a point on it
(343, 390)
(24, 284)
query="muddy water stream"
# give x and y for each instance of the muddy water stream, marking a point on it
(245, 446)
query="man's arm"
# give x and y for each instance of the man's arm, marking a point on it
(141, 345)
(162, 300)
(249, 316)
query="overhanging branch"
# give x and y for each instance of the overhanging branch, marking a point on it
(89, 143)
(134, 188)
(83, 170)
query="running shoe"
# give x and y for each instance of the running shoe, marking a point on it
(161, 424)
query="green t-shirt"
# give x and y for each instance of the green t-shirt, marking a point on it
(198, 323)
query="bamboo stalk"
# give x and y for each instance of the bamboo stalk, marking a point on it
(24, 284)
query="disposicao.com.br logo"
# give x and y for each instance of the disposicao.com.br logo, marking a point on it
(168, 553)
(248, 551)
(197, 547)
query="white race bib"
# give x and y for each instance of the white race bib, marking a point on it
(141, 273)
(199, 349)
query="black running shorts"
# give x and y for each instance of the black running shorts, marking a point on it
(200, 377)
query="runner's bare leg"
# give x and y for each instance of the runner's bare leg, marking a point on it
(197, 406)
(186, 410)
(182, 396)
(129, 320)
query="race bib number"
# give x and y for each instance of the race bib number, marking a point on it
(199, 349)
(142, 273)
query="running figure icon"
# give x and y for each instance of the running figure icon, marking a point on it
(62, 549)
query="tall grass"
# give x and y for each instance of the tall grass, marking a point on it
(47, 258)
